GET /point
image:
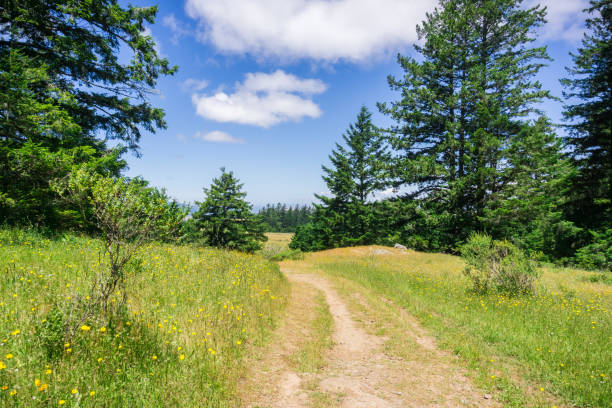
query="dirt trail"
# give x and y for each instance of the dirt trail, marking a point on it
(358, 372)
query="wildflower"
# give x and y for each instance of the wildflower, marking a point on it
(48, 371)
(8, 356)
(92, 393)
(238, 342)
(102, 329)
(541, 389)
(85, 328)
(61, 402)
(16, 332)
(154, 357)
(182, 357)
(74, 391)
(99, 359)
(13, 393)
(2, 365)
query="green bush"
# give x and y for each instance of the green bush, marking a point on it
(497, 265)
(598, 254)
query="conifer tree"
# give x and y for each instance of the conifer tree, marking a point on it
(528, 209)
(460, 106)
(589, 112)
(357, 171)
(225, 219)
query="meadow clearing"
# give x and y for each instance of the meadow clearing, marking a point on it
(552, 348)
(197, 319)
(193, 315)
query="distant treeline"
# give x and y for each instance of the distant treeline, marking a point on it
(282, 218)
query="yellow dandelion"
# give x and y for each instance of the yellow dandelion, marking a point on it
(61, 402)
(182, 357)
(92, 393)
(85, 328)
(102, 329)
(13, 393)
(16, 332)
(74, 391)
(541, 389)
(99, 359)
(2, 365)
(8, 356)
(48, 371)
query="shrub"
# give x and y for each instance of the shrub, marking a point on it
(598, 254)
(497, 265)
(128, 215)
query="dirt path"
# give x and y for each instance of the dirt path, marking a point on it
(358, 373)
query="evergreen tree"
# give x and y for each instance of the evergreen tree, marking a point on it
(356, 172)
(225, 219)
(529, 208)
(460, 106)
(590, 115)
(78, 44)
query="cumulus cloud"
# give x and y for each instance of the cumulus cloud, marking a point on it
(352, 30)
(325, 30)
(218, 136)
(192, 84)
(262, 100)
(565, 19)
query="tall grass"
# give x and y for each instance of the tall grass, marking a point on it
(560, 338)
(192, 316)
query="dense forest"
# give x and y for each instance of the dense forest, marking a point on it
(468, 150)
(282, 218)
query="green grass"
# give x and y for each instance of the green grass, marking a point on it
(192, 317)
(311, 356)
(557, 342)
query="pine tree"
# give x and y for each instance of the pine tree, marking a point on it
(589, 112)
(79, 45)
(528, 210)
(356, 172)
(225, 219)
(460, 106)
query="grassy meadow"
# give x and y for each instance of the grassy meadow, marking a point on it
(193, 315)
(558, 342)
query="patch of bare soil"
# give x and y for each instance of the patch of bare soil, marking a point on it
(358, 373)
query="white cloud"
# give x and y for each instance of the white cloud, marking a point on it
(218, 136)
(332, 30)
(179, 29)
(263, 100)
(565, 19)
(354, 30)
(279, 81)
(192, 84)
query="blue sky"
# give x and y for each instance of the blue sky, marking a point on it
(266, 87)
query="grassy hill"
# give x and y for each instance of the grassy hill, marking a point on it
(193, 315)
